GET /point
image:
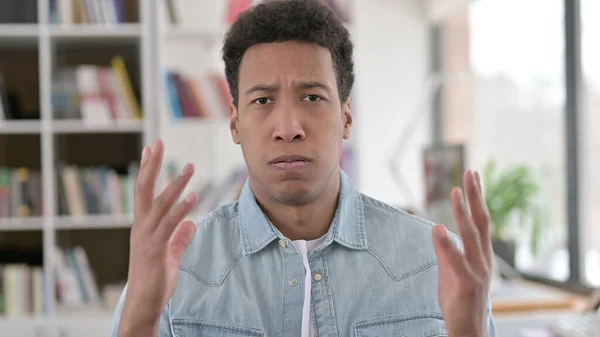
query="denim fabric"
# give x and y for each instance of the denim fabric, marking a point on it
(241, 277)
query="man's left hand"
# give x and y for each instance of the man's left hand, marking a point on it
(464, 278)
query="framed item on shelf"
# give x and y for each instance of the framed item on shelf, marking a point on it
(444, 165)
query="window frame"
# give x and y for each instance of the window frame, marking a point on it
(572, 112)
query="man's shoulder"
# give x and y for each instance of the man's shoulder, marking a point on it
(401, 240)
(225, 214)
(394, 217)
(398, 219)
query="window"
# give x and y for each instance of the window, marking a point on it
(508, 107)
(590, 142)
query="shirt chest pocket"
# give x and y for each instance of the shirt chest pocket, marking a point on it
(424, 325)
(189, 328)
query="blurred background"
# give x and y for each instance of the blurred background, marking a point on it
(510, 88)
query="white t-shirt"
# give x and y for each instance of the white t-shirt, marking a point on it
(308, 327)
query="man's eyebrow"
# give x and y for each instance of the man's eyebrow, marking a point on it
(274, 87)
(262, 87)
(314, 84)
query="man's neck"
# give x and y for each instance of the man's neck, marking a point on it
(303, 222)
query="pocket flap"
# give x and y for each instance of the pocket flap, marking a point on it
(421, 325)
(188, 328)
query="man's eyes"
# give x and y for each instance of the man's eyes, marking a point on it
(262, 101)
(307, 98)
(312, 98)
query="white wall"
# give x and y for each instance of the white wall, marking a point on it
(392, 65)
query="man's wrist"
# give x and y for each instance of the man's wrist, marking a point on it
(129, 328)
(477, 334)
(135, 323)
(474, 333)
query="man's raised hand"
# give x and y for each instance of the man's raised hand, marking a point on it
(159, 238)
(464, 278)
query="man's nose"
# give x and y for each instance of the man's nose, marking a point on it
(288, 127)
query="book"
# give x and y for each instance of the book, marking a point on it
(95, 94)
(20, 192)
(190, 95)
(69, 12)
(21, 290)
(97, 190)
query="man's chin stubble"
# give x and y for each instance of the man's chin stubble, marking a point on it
(294, 198)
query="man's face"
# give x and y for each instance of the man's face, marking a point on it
(289, 120)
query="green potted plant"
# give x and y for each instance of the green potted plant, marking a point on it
(510, 195)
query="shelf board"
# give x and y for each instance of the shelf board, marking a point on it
(21, 224)
(20, 127)
(93, 222)
(77, 126)
(23, 30)
(67, 222)
(99, 31)
(199, 121)
(69, 126)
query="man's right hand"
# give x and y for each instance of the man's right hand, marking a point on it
(158, 241)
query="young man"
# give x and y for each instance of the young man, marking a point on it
(303, 252)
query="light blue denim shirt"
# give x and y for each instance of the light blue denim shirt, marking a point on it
(378, 267)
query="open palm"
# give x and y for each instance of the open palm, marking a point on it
(464, 277)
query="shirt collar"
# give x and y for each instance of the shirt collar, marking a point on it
(347, 228)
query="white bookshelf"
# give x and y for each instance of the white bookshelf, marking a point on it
(79, 127)
(20, 127)
(69, 127)
(94, 222)
(22, 224)
(46, 38)
(90, 31)
(36, 223)
(19, 30)
(191, 47)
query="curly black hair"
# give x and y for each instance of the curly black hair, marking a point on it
(289, 20)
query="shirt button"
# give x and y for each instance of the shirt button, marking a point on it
(282, 243)
(317, 277)
(293, 282)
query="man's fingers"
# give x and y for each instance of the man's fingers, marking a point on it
(145, 155)
(146, 180)
(170, 221)
(479, 212)
(169, 196)
(478, 181)
(447, 252)
(138, 197)
(468, 231)
(181, 239)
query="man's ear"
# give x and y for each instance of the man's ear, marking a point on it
(233, 123)
(347, 116)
